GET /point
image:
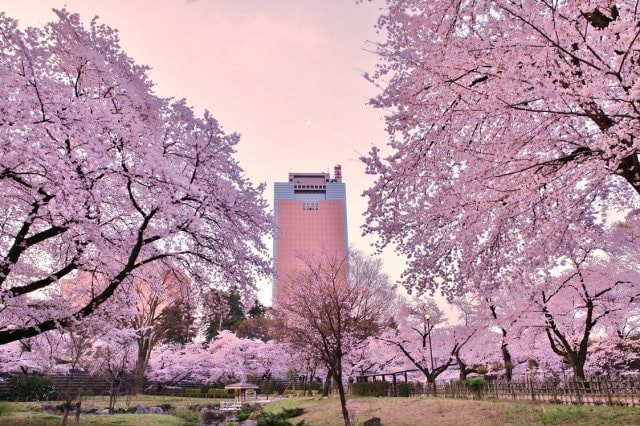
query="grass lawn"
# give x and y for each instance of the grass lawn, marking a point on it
(392, 411)
(21, 414)
(440, 411)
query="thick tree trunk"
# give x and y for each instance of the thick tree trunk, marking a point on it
(432, 384)
(506, 358)
(327, 385)
(463, 374)
(343, 398)
(506, 355)
(309, 381)
(462, 368)
(144, 350)
(578, 370)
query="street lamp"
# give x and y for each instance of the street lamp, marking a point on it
(427, 317)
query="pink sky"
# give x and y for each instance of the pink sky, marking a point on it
(285, 74)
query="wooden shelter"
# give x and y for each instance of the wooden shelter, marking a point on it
(245, 392)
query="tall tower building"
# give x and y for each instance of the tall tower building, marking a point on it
(311, 219)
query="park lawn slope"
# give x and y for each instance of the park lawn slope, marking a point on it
(440, 411)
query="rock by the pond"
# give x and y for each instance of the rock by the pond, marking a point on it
(249, 422)
(373, 421)
(210, 417)
(105, 411)
(141, 409)
(47, 408)
(156, 410)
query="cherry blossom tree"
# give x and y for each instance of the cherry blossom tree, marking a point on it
(487, 341)
(614, 356)
(307, 364)
(115, 360)
(233, 359)
(332, 308)
(155, 289)
(511, 123)
(149, 292)
(98, 174)
(566, 305)
(225, 359)
(374, 357)
(426, 339)
(485, 306)
(170, 363)
(83, 347)
(15, 357)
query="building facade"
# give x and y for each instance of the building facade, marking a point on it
(311, 219)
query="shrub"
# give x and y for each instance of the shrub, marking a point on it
(251, 412)
(370, 388)
(280, 419)
(292, 412)
(476, 384)
(29, 387)
(402, 389)
(409, 388)
(293, 392)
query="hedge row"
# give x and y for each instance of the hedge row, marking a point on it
(369, 388)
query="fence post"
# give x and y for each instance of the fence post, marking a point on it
(533, 393)
(606, 388)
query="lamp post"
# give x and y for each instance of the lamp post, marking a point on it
(427, 317)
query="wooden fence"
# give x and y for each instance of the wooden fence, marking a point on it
(596, 391)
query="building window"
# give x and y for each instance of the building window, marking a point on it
(310, 205)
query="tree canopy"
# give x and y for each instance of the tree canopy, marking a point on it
(511, 125)
(98, 174)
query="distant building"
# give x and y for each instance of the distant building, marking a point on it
(311, 218)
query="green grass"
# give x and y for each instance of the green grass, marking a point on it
(21, 413)
(37, 419)
(318, 411)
